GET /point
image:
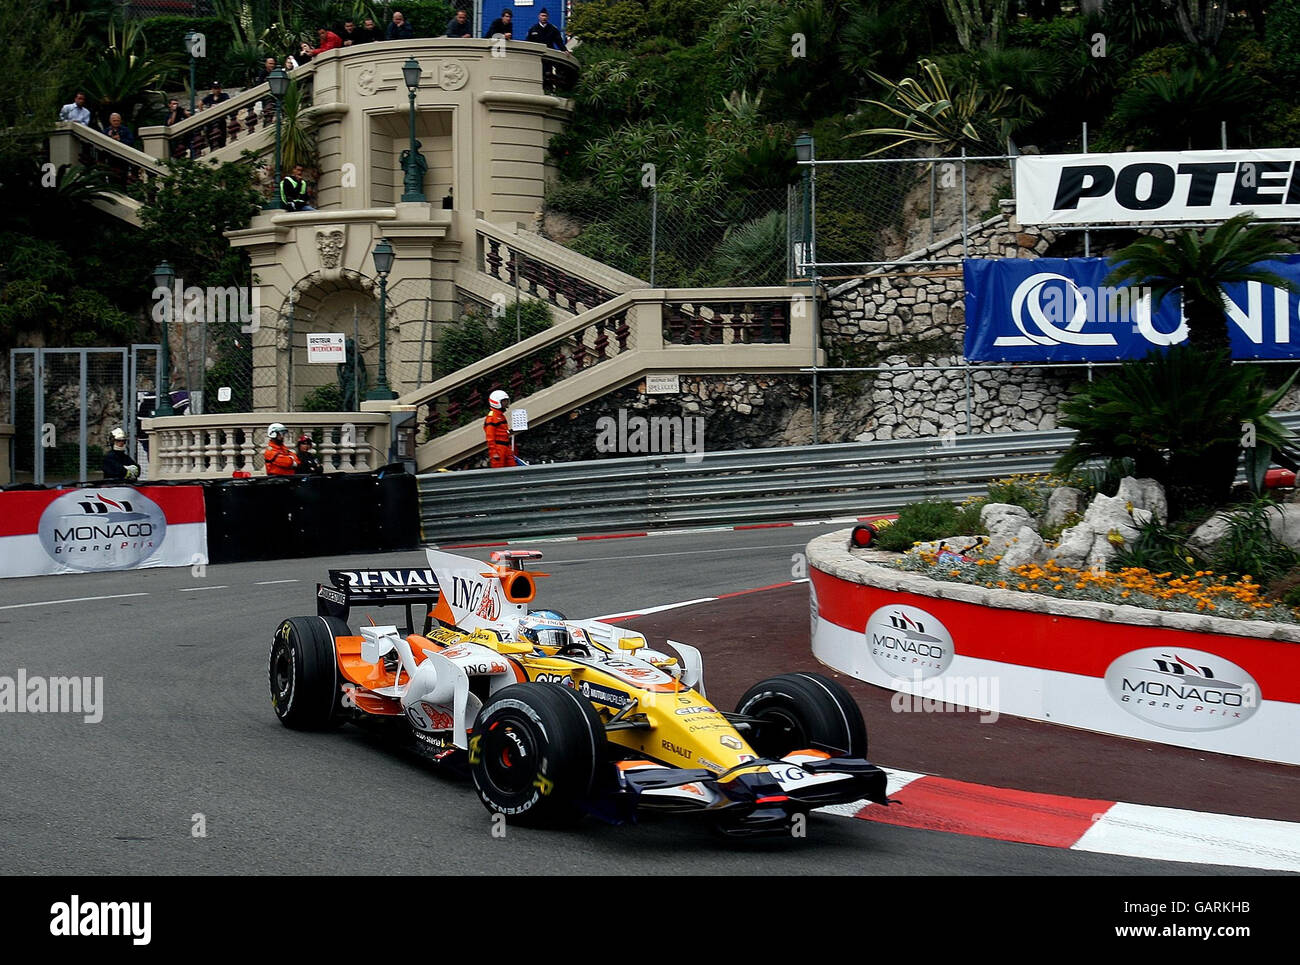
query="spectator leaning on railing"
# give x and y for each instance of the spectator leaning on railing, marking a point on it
(77, 111)
(399, 29)
(502, 26)
(459, 25)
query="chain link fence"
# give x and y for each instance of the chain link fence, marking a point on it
(672, 242)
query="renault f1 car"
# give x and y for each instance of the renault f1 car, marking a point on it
(555, 718)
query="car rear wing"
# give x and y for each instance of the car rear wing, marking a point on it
(387, 587)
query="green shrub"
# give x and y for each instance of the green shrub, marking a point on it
(324, 398)
(928, 520)
(479, 334)
(618, 22)
(428, 18)
(1251, 546)
(1283, 36)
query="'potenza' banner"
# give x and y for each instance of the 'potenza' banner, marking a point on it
(91, 530)
(1058, 310)
(1170, 186)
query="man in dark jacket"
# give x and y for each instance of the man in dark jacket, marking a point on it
(545, 32)
(501, 26)
(399, 29)
(459, 25)
(308, 464)
(119, 464)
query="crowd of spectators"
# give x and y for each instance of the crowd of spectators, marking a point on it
(348, 34)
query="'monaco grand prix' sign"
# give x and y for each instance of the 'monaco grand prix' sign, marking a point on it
(1062, 189)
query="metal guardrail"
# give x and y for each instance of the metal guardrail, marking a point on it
(744, 486)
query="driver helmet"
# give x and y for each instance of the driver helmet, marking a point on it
(499, 399)
(276, 429)
(544, 628)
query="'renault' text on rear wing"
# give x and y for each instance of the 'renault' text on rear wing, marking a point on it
(387, 587)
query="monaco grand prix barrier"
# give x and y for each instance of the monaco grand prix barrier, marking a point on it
(95, 529)
(117, 527)
(1185, 679)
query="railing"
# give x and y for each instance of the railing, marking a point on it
(564, 351)
(589, 355)
(210, 130)
(549, 271)
(130, 170)
(217, 446)
(724, 322)
(748, 486)
(745, 486)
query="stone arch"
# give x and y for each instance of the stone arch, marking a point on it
(325, 301)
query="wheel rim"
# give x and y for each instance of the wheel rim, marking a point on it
(788, 734)
(510, 756)
(281, 674)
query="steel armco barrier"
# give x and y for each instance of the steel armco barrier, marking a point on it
(745, 486)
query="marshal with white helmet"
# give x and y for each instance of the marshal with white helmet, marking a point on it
(555, 718)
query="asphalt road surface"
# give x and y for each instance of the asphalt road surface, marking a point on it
(189, 742)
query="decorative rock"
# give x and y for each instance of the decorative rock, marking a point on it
(1063, 501)
(1027, 548)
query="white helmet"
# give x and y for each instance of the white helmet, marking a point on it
(499, 399)
(118, 435)
(276, 429)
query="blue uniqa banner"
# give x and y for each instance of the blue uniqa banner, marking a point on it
(1059, 310)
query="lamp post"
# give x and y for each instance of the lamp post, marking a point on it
(189, 48)
(806, 152)
(383, 255)
(163, 276)
(803, 151)
(413, 162)
(278, 81)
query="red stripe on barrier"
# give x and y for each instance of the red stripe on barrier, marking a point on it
(762, 526)
(757, 589)
(20, 512)
(940, 804)
(1050, 642)
(613, 536)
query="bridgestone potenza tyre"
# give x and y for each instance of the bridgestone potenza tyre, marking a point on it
(804, 710)
(302, 671)
(534, 753)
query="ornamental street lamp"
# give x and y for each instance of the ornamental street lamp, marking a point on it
(163, 276)
(413, 162)
(189, 47)
(383, 255)
(804, 151)
(278, 81)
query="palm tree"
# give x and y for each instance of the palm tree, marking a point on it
(1199, 264)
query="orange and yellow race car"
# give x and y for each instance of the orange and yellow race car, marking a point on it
(555, 718)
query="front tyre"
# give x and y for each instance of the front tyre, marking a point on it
(804, 710)
(534, 753)
(303, 673)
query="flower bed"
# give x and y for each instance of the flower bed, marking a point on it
(1204, 591)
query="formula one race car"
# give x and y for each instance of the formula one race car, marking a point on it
(555, 718)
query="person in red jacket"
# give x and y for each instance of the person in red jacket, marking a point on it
(497, 429)
(279, 458)
(328, 41)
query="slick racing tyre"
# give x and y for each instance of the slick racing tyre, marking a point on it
(303, 673)
(801, 710)
(534, 753)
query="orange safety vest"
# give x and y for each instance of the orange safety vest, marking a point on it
(280, 460)
(496, 428)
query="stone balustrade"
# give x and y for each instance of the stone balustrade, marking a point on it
(218, 446)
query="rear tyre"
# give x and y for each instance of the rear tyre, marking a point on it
(534, 753)
(801, 710)
(303, 673)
